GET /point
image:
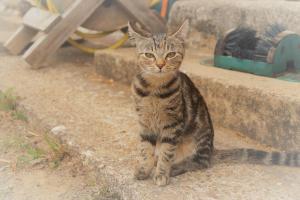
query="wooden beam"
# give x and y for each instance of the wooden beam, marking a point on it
(41, 20)
(47, 44)
(20, 39)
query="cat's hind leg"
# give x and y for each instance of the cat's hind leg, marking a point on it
(188, 165)
(200, 158)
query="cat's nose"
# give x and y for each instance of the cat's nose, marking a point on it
(160, 64)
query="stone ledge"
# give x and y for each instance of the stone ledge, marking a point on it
(264, 109)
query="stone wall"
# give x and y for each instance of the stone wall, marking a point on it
(217, 16)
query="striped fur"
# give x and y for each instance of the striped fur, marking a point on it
(176, 129)
(169, 113)
(254, 156)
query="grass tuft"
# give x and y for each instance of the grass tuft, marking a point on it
(9, 103)
(58, 151)
(35, 152)
(19, 115)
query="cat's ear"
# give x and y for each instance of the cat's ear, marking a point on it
(136, 33)
(183, 31)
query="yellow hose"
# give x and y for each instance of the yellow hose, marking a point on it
(93, 50)
(52, 8)
(120, 42)
(92, 35)
(153, 2)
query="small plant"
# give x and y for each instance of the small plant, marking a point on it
(23, 160)
(57, 151)
(35, 152)
(8, 103)
(44, 149)
(19, 115)
(30, 153)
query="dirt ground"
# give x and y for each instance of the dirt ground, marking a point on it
(30, 169)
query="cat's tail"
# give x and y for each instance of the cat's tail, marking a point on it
(253, 156)
(240, 156)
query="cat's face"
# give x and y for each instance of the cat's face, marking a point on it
(160, 53)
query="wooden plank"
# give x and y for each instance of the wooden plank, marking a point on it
(47, 44)
(61, 5)
(41, 20)
(20, 39)
(144, 15)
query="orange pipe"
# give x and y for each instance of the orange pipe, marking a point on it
(164, 8)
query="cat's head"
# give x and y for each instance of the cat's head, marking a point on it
(159, 53)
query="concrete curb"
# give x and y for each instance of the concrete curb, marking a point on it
(264, 109)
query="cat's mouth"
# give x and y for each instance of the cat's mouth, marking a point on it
(162, 71)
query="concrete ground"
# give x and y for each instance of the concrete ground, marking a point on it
(101, 127)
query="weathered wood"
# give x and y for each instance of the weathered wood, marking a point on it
(20, 39)
(144, 15)
(41, 20)
(57, 28)
(47, 44)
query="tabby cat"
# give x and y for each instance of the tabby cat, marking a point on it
(176, 129)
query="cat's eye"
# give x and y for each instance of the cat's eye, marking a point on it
(149, 55)
(171, 55)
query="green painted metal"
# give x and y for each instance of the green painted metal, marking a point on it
(287, 54)
(288, 50)
(244, 65)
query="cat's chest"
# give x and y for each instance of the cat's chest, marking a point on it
(151, 106)
(151, 112)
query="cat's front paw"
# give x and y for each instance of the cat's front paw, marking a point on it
(161, 179)
(141, 173)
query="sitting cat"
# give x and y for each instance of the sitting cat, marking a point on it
(176, 133)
